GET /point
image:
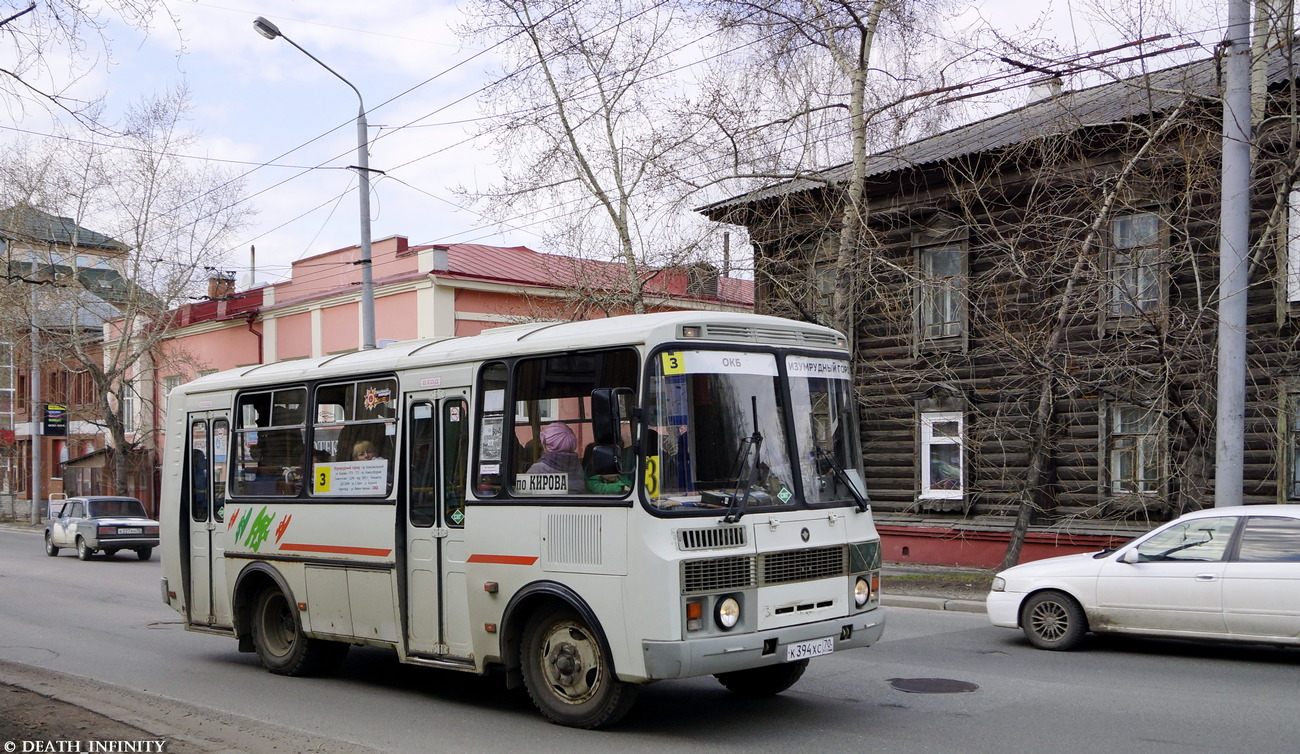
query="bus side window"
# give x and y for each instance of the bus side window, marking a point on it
(491, 458)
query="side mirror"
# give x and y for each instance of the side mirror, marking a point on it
(605, 460)
(606, 413)
(1130, 556)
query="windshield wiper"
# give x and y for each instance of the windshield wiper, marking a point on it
(828, 458)
(740, 495)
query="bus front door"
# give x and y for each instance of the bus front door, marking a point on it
(208, 444)
(437, 453)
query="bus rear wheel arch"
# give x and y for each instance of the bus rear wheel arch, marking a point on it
(568, 672)
(279, 640)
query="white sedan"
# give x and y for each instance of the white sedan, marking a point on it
(1224, 574)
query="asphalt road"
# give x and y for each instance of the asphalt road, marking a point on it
(62, 620)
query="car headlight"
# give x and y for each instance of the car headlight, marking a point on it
(726, 613)
(999, 584)
(861, 591)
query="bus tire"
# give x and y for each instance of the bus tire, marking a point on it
(281, 644)
(769, 680)
(568, 674)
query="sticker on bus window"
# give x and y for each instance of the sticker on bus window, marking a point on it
(541, 484)
(673, 362)
(350, 478)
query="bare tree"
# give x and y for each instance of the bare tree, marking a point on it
(49, 46)
(840, 80)
(167, 225)
(591, 130)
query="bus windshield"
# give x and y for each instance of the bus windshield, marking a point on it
(821, 400)
(715, 432)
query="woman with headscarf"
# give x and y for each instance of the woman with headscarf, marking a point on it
(559, 456)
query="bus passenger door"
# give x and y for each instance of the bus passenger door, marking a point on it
(437, 463)
(208, 445)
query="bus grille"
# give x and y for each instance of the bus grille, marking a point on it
(716, 574)
(744, 571)
(711, 538)
(802, 565)
(773, 335)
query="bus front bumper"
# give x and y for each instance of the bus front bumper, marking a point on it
(723, 654)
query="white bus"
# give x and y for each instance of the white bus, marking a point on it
(588, 506)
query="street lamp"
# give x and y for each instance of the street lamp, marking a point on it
(271, 31)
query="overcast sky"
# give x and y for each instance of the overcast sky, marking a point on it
(262, 103)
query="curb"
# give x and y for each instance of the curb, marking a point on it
(933, 603)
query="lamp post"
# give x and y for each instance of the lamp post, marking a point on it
(271, 31)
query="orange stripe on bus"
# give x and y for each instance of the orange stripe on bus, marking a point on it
(504, 559)
(338, 549)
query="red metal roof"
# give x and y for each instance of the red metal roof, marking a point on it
(522, 265)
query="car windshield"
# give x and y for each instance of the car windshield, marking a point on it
(821, 404)
(715, 432)
(116, 509)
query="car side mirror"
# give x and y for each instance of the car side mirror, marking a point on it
(1130, 557)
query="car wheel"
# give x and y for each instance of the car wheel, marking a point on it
(769, 680)
(567, 673)
(50, 549)
(144, 553)
(84, 552)
(1053, 620)
(281, 645)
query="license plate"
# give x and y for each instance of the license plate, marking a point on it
(812, 648)
(129, 530)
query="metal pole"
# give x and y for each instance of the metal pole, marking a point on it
(1234, 241)
(363, 185)
(271, 31)
(35, 489)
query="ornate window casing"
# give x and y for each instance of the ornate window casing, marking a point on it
(1292, 246)
(1289, 445)
(940, 260)
(1136, 289)
(1134, 462)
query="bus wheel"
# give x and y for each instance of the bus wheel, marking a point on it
(568, 675)
(769, 680)
(281, 645)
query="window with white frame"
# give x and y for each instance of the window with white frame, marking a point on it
(942, 473)
(940, 291)
(171, 382)
(128, 407)
(1135, 264)
(1133, 450)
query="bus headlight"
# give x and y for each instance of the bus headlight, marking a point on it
(727, 613)
(861, 591)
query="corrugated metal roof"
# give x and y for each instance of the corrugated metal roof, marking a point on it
(34, 226)
(1061, 114)
(522, 265)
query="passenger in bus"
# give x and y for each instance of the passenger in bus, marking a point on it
(559, 456)
(366, 451)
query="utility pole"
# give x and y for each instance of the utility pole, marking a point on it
(35, 488)
(1234, 241)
